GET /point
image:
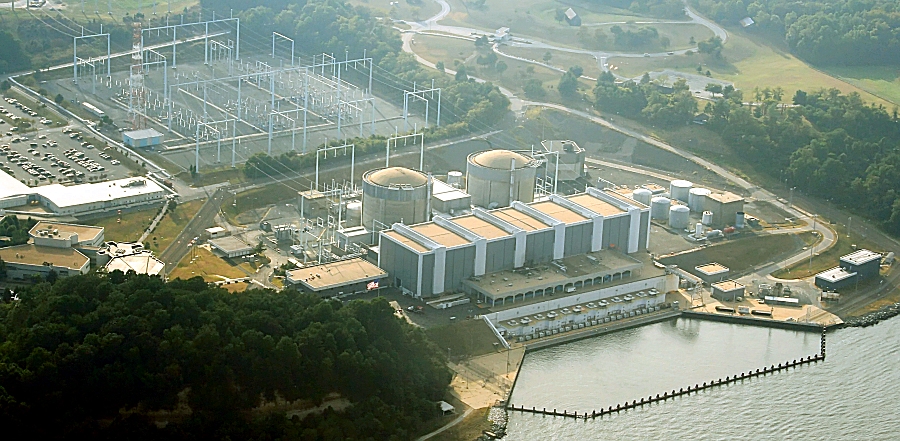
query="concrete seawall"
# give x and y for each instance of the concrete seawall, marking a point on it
(753, 321)
(634, 322)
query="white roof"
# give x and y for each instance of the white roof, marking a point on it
(835, 274)
(75, 195)
(10, 186)
(143, 134)
(143, 263)
(860, 257)
(215, 230)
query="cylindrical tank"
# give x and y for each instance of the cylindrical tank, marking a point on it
(496, 178)
(354, 213)
(707, 218)
(739, 219)
(659, 207)
(713, 233)
(698, 230)
(642, 195)
(454, 178)
(395, 194)
(679, 217)
(680, 189)
(696, 199)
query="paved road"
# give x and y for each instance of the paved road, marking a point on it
(179, 248)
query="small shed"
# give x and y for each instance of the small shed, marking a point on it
(216, 232)
(572, 18)
(142, 138)
(230, 247)
(727, 290)
(446, 408)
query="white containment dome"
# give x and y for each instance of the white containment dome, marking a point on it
(642, 195)
(679, 217)
(696, 199)
(496, 178)
(659, 207)
(680, 189)
(395, 194)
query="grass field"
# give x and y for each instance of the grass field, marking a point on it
(172, 224)
(749, 63)
(131, 226)
(115, 10)
(563, 60)
(402, 10)
(207, 265)
(882, 81)
(742, 254)
(535, 18)
(679, 35)
(466, 337)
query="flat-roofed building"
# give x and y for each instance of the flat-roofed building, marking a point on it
(63, 235)
(100, 196)
(864, 262)
(215, 232)
(712, 272)
(24, 261)
(835, 278)
(568, 160)
(727, 290)
(230, 247)
(432, 258)
(338, 278)
(724, 207)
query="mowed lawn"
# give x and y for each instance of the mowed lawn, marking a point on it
(172, 224)
(883, 81)
(207, 265)
(400, 9)
(128, 227)
(750, 64)
(100, 9)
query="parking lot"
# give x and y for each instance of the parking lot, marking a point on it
(57, 155)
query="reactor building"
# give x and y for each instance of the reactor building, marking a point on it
(395, 195)
(496, 178)
(450, 254)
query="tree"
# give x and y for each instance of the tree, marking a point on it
(645, 79)
(439, 66)
(568, 85)
(482, 42)
(714, 88)
(547, 57)
(559, 15)
(501, 66)
(576, 70)
(58, 99)
(534, 88)
(799, 98)
(461, 73)
(712, 46)
(4, 86)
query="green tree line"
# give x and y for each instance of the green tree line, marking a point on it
(92, 355)
(832, 32)
(16, 230)
(646, 100)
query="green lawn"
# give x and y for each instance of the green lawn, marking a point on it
(679, 36)
(127, 227)
(402, 10)
(882, 81)
(207, 265)
(563, 60)
(172, 224)
(749, 63)
(100, 9)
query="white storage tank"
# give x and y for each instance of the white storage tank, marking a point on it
(496, 178)
(454, 178)
(680, 189)
(707, 218)
(642, 195)
(739, 219)
(679, 217)
(395, 194)
(354, 213)
(659, 207)
(696, 199)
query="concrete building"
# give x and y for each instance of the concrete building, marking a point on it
(433, 258)
(141, 263)
(63, 235)
(82, 198)
(496, 178)
(727, 290)
(230, 247)
(25, 261)
(571, 159)
(338, 278)
(142, 138)
(724, 208)
(216, 232)
(852, 268)
(450, 200)
(712, 272)
(572, 17)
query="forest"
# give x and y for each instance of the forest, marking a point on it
(113, 356)
(828, 32)
(16, 230)
(646, 100)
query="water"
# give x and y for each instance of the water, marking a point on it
(851, 396)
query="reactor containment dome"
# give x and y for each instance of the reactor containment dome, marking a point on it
(496, 178)
(395, 194)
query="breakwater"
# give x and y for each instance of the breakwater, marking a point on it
(874, 317)
(676, 393)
